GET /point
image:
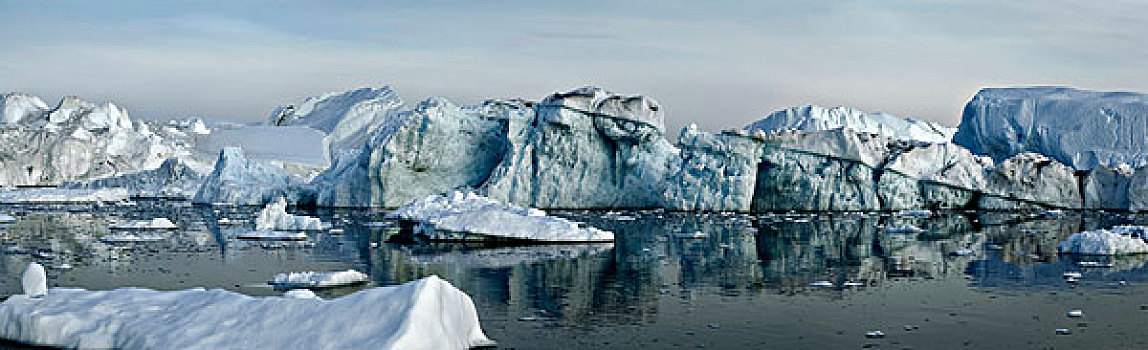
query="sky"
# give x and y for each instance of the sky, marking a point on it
(719, 64)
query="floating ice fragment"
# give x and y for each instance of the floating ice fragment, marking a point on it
(311, 279)
(1075, 313)
(273, 235)
(961, 252)
(1073, 274)
(1063, 331)
(153, 224)
(821, 284)
(300, 294)
(874, 334)
(34, 280)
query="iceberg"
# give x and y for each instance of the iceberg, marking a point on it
(63, 196)
(468, 216)
(312, 279)
(34, 280)
(346, 118)
(131, 237)
(1082, 129)
(425, 314)
(274, 217)
(817, 118)
(241, 181)
(268, 235)
(78, 141)
(1032, 181)
(153, 224)
(1119, 240)
(175, 178)
(586, 148)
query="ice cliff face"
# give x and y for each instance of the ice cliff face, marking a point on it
(586, 148)
(79, 140)
(817, 118)
(1083, 129)
(432, 149)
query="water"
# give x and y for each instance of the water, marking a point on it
(672, 280)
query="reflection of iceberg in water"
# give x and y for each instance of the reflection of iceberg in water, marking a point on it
(495, 256)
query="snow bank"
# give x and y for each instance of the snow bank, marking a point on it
(469, 215)
(60, 195)
(817, 118)
(312, 279)
(426, 314)
(1119, 240)
(274, 216)
(1082, 129)
(153, 224)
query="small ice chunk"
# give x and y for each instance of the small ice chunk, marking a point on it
(7, 219)
(275, 217)
(1073, 274)
(34, 280)
(874, 334)
(1119, 240)
(300, 294)
(961, 252)
(821, 284)
(907, 229)
(1063, 331)
(127, 237)
(1075, 313)
(475, 216)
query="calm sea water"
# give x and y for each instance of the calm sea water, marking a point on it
(672, 280)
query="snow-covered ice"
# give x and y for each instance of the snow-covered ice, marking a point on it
(347, 118)
(425, 314)
(460, 215)
(300, 294)
(131, 237)
(269, 235)
(274, 217)
(61, 195)
(153, 224)
(1119, 240)
(817, 118)
(312, 279)
(7, 219)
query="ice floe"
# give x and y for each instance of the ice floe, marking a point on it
(1119, 240)
(426, 314)
(310, 279)
(467, 216)
(126, 237)
(153, 224)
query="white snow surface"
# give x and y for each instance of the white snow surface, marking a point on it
(311, 279)
(817, 118)
(15, 107)
(274, 216)
(153, 224)
(473, 214)
(1118, 240)
(269, 235)
(60, 195)
(1082, 129)
(426, 314)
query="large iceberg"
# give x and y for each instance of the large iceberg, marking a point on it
(80, 140)
(1030, 180)
(1082, 129)
(426, 314)
(176, 177)
(586, 148)
(1119, 240)
(817, 118)
(468, 216)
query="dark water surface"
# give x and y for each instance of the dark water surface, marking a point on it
(672, 280)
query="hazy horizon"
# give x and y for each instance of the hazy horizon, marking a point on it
(717, 64)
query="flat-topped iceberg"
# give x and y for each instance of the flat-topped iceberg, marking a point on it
(817, 118)
(425, 314)
(274, 216)
(1119, 240)
(467, 216)
(1082, 129)
(311, 279)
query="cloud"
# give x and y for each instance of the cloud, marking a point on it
(720, 64)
